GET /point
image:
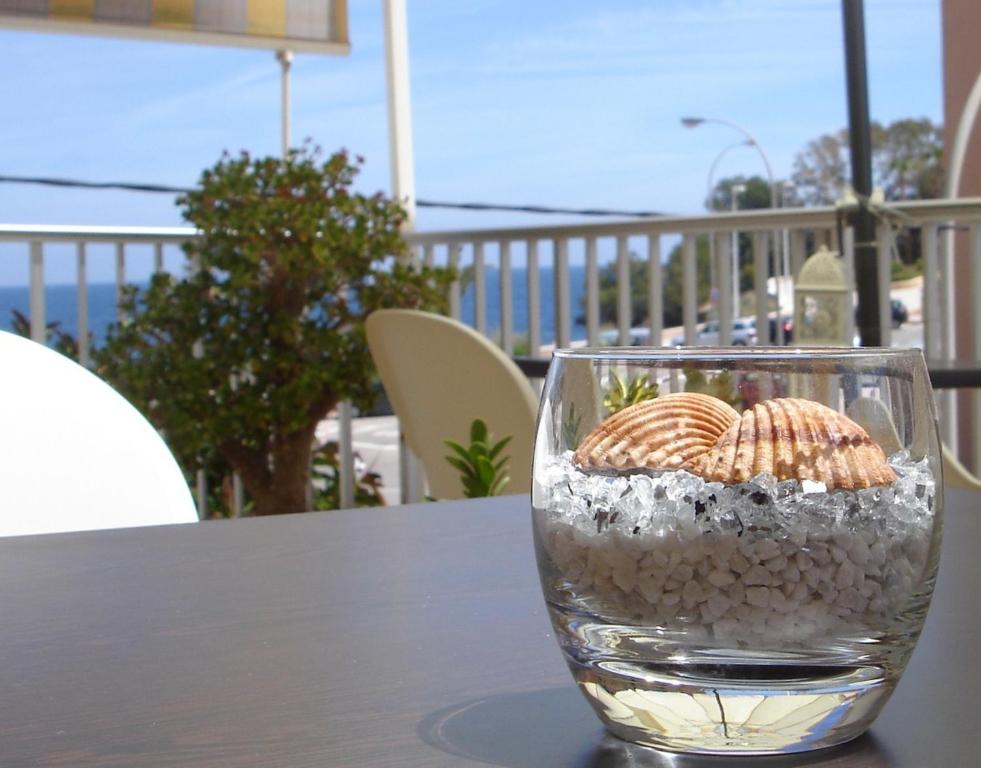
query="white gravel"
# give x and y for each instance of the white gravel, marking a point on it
(769, 561)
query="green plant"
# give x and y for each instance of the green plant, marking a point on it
(622, 394)
(481, 471)
(719, 386)
(572, 426)
(264, 335)
(327, 486)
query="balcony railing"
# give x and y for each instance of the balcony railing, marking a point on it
(549, 250)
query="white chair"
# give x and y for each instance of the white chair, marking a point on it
(440, 375)
(74, 454)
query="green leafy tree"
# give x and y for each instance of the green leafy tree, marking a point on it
(672, 271)
(264, 335)
(907, 162)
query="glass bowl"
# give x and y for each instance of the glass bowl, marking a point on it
(737, 547)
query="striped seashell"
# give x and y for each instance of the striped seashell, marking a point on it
(663, 433)
(793, 438)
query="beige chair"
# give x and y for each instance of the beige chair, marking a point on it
(440, 375)
(875, 418)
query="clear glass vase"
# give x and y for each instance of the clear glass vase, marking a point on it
(737, 547)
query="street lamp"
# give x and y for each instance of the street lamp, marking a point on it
(709, 185)
(694, 122)
(715, 163)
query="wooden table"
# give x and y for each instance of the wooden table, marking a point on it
(411, 636)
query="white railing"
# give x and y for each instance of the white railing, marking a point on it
(782, 232)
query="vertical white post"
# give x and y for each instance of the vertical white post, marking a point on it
(848, 265)
(563, 304)
(507, 304)
(689, 289)
(655, 302)
(974, 249)
(723, 246)
(592, 293)
(931, 293)
(399, 107)
(623, 292)
(883, 244)
(158, 257)
(82, 288)
(761, 271)
(453, 260)
(285, 59)
(201, 491)
(345, 444)
(479, 288)
(534, 300)
(38, 324)
(120, 276)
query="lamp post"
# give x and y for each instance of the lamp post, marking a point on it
(715, 164)
(709, 185)
(694, 122)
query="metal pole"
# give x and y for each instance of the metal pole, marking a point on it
(860, 140)
(285, 59)
(399, 108)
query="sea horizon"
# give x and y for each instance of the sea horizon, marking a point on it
(61, 304)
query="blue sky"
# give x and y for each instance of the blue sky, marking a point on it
(572, 103)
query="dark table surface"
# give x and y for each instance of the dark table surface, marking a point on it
(411, 636)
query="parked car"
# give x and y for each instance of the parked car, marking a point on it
(899, 313)
(788, 329)
(707, 335)
(639, 337)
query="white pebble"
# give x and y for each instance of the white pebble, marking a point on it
(767, 548)
(683, 572)
(757, 575)
(721, 578)
(845, 576)
(758, 596)
(858, 552)
(776, 564)
(738, 563)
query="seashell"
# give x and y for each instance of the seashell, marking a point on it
(663, 433)
(793, 438)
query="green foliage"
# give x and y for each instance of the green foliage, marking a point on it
(672, 281)
(572, 426)
(264, 335)
(59, 340)
(903, 271)
(621, 394)
(719, 386)
(481, 471)
(327, 482)
(907, 162)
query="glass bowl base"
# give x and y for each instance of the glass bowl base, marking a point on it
(736, 709)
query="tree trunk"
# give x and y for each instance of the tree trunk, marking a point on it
(289, 475)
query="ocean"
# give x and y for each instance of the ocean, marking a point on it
(61, 304)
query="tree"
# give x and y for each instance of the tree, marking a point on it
(755, 196)
(671, 282)
(907, 162)
(264, 336)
